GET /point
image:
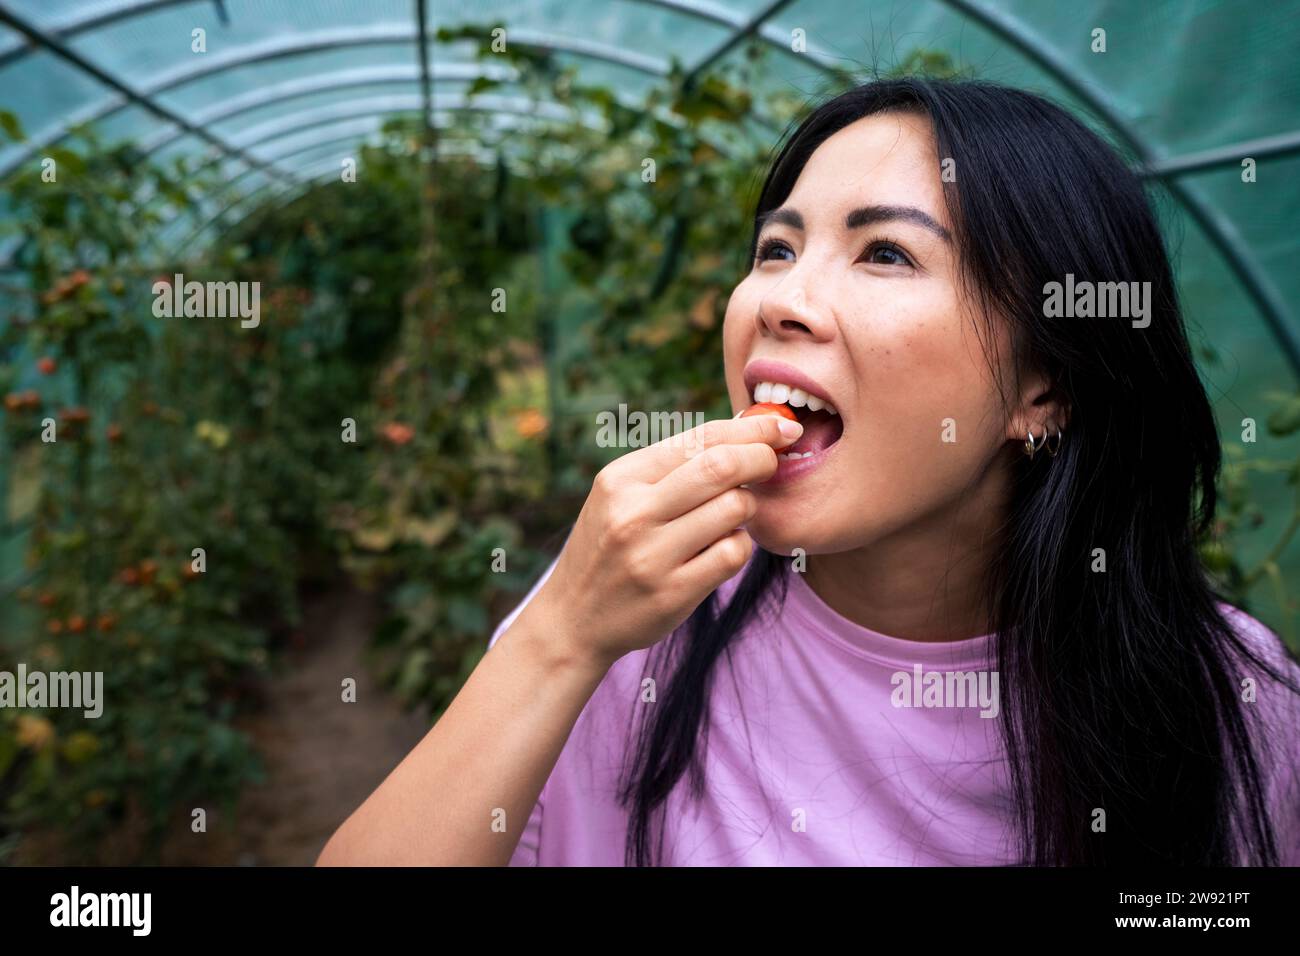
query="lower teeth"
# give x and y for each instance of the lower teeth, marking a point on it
(796, 454)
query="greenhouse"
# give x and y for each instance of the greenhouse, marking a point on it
(316, 317)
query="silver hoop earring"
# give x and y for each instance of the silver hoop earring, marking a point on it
(1052, 449)
(1032, 445)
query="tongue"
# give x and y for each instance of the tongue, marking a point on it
(820, 430)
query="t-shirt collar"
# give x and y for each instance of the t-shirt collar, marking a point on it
(804, 603)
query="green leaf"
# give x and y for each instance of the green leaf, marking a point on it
(1285, 420)
(14, 129)
(1216, 557)
(483, 83)
(412, 675)
(466, 616)
(8, 752)
(66, 159)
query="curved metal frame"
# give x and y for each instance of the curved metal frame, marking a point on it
(360, 130)
(383, 35)
(750, 26)
(124, 93)
(308, 179)
(359, 139)
(756, 25)
(486, 104)
(503, 106)
(346, 79)
(482, 102)
(1221, 232)
(302, 86)
(484, 155)
(272, 130)
(315, 43)
(709, 12)
(1266, 147)
(303, 180)
(353, 138)
(1219, 229)
(521, 108)
(324, 41)
(313, 177)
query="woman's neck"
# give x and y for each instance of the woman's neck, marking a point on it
(923, 583)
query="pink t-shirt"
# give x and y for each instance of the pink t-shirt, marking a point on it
(840, 755)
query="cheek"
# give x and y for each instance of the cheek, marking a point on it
(928, 414)
(738, 332)
(742, 305)
(923, 367)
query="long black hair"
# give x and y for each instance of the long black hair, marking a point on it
(1122, 684)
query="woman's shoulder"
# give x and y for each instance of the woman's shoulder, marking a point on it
(1260, 639)
(1274, 711)
(1257, 686)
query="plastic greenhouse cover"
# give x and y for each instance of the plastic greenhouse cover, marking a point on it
(1188, 87)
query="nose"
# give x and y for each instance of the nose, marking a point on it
(788, 310)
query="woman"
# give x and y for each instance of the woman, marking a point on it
(899, 631)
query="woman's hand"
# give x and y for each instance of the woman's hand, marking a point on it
(656, 535)
(659, 531)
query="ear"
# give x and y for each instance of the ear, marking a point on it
(1040, 409)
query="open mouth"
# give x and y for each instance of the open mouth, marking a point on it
(822, 424)
(820, 430)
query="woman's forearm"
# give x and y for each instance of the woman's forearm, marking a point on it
(490, 752)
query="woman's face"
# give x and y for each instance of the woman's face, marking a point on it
(864, 304)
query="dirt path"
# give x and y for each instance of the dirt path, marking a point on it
(322, 756)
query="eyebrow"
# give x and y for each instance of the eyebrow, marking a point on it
(864, 216)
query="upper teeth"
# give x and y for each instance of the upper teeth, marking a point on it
(781, 393)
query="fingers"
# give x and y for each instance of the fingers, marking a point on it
(718, 562)
(683, 539)
(708, 475)
(654, 462)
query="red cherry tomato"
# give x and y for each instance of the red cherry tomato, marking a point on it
(770, 408)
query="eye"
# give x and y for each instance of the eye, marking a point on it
(769, 245)
(886, 253)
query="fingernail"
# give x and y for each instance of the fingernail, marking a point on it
(790, 429)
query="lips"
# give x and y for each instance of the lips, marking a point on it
(812, 404)
(767, 370)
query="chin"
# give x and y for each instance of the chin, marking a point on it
(780, 529)
(781, 534)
